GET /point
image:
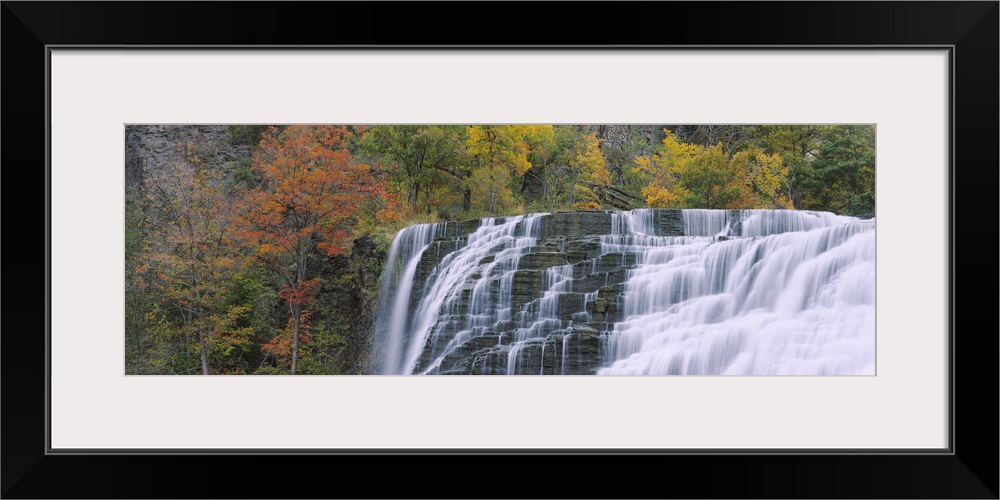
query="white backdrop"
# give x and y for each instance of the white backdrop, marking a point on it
(94, 93)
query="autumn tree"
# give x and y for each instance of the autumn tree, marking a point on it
(711, 180)
(189, 256)
(590, 175)
(663, 170)
(766, 175)
(311, 190)
(568, 169)
(685, 175)
(499, 154)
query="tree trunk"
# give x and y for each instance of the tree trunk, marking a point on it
(492, 205)
(202, 341)
(296, 319)
(204, 351)
(300, 272)
(187, 314)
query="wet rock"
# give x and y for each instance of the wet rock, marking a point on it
(549, 322)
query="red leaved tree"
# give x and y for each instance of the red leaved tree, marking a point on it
(309, 194)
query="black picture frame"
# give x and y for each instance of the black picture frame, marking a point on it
(968, 470)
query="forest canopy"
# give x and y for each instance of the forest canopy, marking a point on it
(242, 252)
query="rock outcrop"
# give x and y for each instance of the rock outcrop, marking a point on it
(149, 148)
(543, 317)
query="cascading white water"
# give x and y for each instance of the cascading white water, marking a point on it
(790, 293)
(742, 292)
(466, 290)
(394, 295)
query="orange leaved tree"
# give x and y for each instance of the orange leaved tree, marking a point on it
(309, 193)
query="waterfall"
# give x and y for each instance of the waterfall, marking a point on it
(393, 317)
(470, 290)
(648, 291)
(790, 293)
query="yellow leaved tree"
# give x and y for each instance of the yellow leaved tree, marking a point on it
(499, 153)
(588, 167)
(683, 175)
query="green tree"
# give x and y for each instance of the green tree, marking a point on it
(138, 343)
(248, 135)
(842, 179)
(797, 145)
(418, 159)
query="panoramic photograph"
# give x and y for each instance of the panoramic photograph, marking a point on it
(500, 249)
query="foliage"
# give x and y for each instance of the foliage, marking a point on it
(320, 355)
(842, 179)
(663, 169)
(499, 153)
(589, 172)
(189, 256)
(245, 134)
(417, 160)
(684, 175)
(309, 198)
(797, 145)
(766, 176)
(621, 145)
(137, 343)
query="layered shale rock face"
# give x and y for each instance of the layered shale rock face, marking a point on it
(149, 148)
(641, 292)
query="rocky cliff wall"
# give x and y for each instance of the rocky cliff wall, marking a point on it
(149, 148)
